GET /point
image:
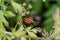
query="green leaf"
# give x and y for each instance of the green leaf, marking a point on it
(48, 20)
(28, 28)
(20, 31)
(16, 6)
(1, 25)
(21, 27)
(5, 22)
(50, 11)
(48, 23)
(9, 14)
(48, 27)
(32, 35)
(34, 30)
(23, 38)
(2, 19)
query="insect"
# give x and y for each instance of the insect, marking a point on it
(28, 20)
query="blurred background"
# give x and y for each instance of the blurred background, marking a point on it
(29, 19)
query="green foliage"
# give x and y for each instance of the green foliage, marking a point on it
(48, 23)
(11, 17)
(16, 6)
(51, 11)
(58, 3)
(9, 14)
(2, 19)
(37, 5)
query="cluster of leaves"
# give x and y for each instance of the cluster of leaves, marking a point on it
(11, 13)
(11, 18)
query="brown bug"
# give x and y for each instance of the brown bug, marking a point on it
(28, 20)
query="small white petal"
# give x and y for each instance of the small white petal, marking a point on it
(44, 0)
(24, 4)
(29, 6)
(27, 12)
(23, 14)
